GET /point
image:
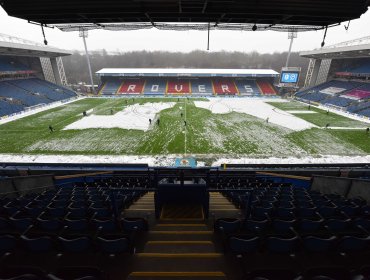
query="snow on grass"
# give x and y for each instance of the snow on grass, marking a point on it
(169, 160)
(90, 140)
(293, 160)
(131, 117)
(321, 142)
(237, 134)
(39, 110)
(257, 108)
(121, 159)
(301, 112)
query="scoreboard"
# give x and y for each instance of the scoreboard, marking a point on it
(289, 76)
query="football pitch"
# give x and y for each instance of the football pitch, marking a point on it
(185, 128)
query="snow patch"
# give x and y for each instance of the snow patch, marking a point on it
(170, 160)
(131, 117)
(301, 112)
(294, 160)
(257, 108)
(34, 111)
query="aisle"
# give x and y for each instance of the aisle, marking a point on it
(181, 244)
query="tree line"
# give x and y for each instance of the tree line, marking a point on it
(76, 65)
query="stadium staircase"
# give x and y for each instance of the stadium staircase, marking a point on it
(181, 244)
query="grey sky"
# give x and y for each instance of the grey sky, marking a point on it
(184, 41)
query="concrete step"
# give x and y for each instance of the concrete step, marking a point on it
(181, 227)
(179, 247)
(180, 235)
(178, 275)
(178, 262)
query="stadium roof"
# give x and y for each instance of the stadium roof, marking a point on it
(10, 45)
(358, 48)
(272, 13)
(186, 72)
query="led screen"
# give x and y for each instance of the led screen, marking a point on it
(289, 77)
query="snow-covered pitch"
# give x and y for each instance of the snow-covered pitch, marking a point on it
(214, 130)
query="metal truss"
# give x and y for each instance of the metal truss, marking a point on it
(62, 73)
(311, 66)
(186, 27)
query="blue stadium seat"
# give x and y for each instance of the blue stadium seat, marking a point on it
(49, 225)
(244, 246)
(38, 244)
(310, 226)
(114, 246)
(228, 226)
(7, 243)
(17, 94)
(338, 101)
(315, 244)
(111, 87)
(133, 224)
(350, 244)
(76, 225)
(247, 87)
(272, 274)
(201, 86)
(10, 64)
(21, 224)
(155, 86)
(253, 225)
(282, 245)
(75, 245)
(336, 225)
(283, 226)
(327, 273)
(318, 93)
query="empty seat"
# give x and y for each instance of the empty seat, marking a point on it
(75, 245)
(282, 245)
(244, 246)
(7, 243)
(337, 225)
(39, 244)
(256, 225)
(327, 273)
(349, 244)
(134, 224)
(80, 272)
(113, 246)
(309, 226)
(314, 244)
(272, 274)
(228, 226)
(283, 226)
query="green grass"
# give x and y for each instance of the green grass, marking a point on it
(207, 134)
(321, 118)
(287, 106)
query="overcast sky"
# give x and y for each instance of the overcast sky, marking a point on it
(184, 41)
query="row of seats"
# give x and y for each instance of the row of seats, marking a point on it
(291, 227)
(17, 272)
(351, 95)
(10, 106)
(74, 223)
(201, 86)
(365, 112)
(358, 107)
(18, 94)
(9, 64)
(10, 244)
(316, 273)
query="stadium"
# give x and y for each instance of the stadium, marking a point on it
(185, 173)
